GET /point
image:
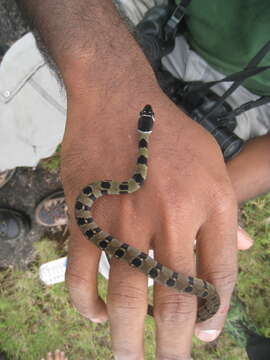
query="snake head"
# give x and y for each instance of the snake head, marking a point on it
(146, 120)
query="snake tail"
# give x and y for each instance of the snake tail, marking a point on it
(125, 252)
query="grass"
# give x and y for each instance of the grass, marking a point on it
(35, 319)
(52, 163)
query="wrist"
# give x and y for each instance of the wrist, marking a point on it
(92, 74)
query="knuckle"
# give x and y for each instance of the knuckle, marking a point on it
(175, 309)
(75, 281)
(224, 199)
(222, 278)
(80, 296)
(125, 299)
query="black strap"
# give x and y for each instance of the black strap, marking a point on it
(171, 27)
(259, 56)
(253, 62)
(245, 107)
(238, 77)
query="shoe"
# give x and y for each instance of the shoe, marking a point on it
(5, 176)
(52, 211)
(258, 347)
(13, 225)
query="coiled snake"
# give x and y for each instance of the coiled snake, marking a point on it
(134, 257)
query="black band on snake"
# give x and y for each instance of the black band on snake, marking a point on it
(134, 257)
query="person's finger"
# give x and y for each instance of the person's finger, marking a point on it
(175, 312)
(244, 240)
(81, 277)
(127, 292)
(217, 263)
(49, 356)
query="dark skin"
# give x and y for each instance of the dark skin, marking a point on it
(187, 195)
(250, 170)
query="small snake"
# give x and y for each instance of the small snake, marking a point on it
(134, 257)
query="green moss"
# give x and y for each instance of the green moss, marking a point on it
(254, 265)
(52, 164)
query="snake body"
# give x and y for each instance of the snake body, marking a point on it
(134, 257)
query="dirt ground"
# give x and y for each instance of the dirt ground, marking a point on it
(28, 186)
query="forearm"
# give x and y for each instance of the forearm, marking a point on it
(88, 41)
(250, 170)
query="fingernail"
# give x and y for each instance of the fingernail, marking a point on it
(207, 335)
(245, 241)
(98, 320)
(101, 319)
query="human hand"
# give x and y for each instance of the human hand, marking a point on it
(187, 195)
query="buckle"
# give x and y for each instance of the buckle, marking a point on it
(171, 26)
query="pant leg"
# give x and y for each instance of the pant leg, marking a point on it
(135, 9)
(32, 107)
